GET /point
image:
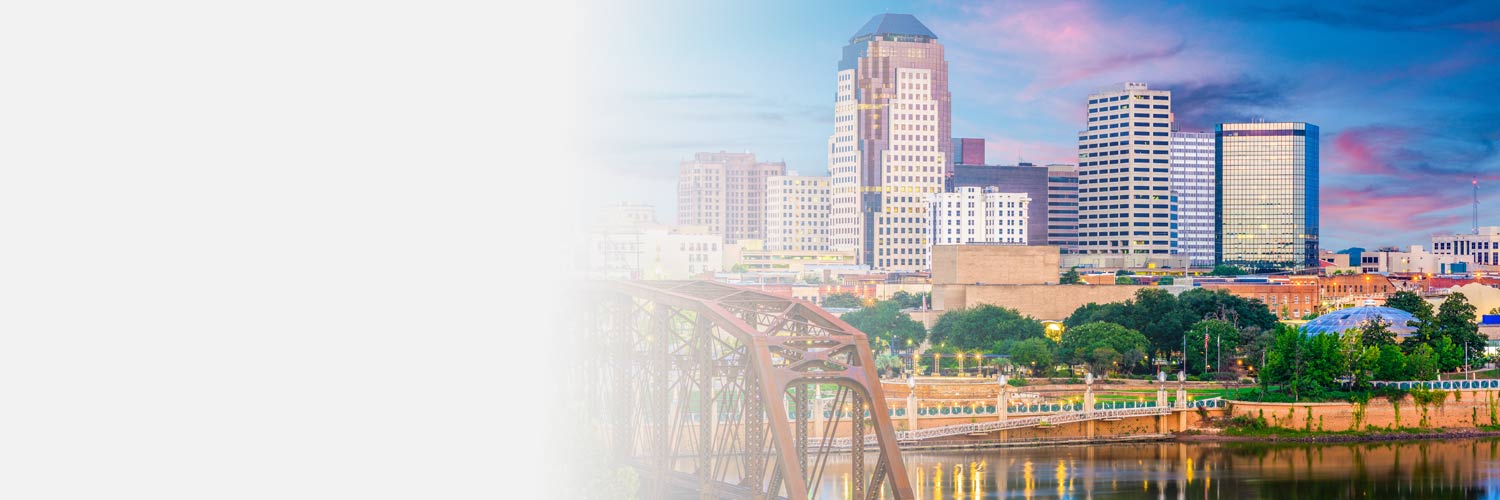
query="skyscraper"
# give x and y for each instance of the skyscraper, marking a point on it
(967, 151)
(726, 193)
(891, 148)
(1268, 195)
(1194, 187)
(1062, 207)
(1124, 185)
(797, 213)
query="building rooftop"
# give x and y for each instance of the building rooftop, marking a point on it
(893, 24)
(1355, 317)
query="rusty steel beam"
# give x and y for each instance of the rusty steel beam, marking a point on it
(719, 370)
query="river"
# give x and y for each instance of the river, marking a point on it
(1460, 468)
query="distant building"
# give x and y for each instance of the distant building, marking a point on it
(1124, 170)
(753, 256)
(1195, 189)
(1355, 289)
(725, 193)
(1268, 203)
(1285, 300)
(968, 151)
(1024, 178)
(626, 242)
(1062, 207)
(1414, 260)
(891, 146)
(797, 210)
(972, 215)
(1482, 249)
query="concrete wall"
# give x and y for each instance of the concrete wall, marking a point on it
(1472, 409)
(995, 264)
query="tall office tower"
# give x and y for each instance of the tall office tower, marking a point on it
(968, 151)
(1124, 170)
(1062, 207)
(726, 193)
(972, 215)
(1196, 192)
(797, 213)
(891, 146)
(1268, 195)
(1026, 178)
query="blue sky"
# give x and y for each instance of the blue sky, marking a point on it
(1407, 94)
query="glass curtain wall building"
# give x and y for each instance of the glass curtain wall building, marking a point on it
(891, 149)
(1268, 195)
(1195, 189)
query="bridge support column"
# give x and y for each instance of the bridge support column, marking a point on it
(1090, 429)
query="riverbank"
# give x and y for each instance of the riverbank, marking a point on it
(1294, 436)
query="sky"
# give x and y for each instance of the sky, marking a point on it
(1407, 94)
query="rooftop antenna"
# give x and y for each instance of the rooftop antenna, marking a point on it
(1476, 205)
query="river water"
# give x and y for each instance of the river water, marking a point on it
(1460, 468)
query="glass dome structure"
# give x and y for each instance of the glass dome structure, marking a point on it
(1355, 317)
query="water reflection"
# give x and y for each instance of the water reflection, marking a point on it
(1427, 469)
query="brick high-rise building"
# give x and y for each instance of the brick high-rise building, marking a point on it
(892, 145)
(726, 193)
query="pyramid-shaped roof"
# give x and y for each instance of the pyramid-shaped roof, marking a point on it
(894, 24)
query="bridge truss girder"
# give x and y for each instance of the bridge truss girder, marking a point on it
(709, 384)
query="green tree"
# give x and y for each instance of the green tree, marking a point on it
(1449, 355)
(1124, 272)
(1412, 303)
(1455, 320)
(886, 322)
(1071, 277)
(1225, 270)
(1032, 352)
(842, 300)
(1083, 343)
(1286, 361)
(1223, 337)
(1376, 333)
(1124, 280)
(739, 268)
(1102, 360)
(1327, 361)
(1363, 364)
(911, 300)
(1422, 363)
(980, 328)
(1392, 364)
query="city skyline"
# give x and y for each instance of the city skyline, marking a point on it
(1393, 173)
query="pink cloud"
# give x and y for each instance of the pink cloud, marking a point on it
(1074, 42)
(1369, 150)
(1370, 211)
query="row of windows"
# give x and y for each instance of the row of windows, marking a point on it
(1126, 115)
(1128, 96)
(1127, 124)
(1127, 106)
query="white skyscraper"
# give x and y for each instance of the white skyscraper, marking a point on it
(1196, 190)
(891, 146)
(1124, 174)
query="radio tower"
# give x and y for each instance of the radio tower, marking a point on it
(1476, 206)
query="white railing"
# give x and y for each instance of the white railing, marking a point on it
(1014, 423)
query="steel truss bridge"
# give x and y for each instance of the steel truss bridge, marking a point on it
(705, 388)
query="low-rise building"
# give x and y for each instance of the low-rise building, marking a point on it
(1286, 300)
(756, 256)
(1354, 289)
(1020, 278)
(627, 243)
(1413, 260)
(1482, 248)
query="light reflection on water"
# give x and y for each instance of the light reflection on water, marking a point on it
(1464, 468)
